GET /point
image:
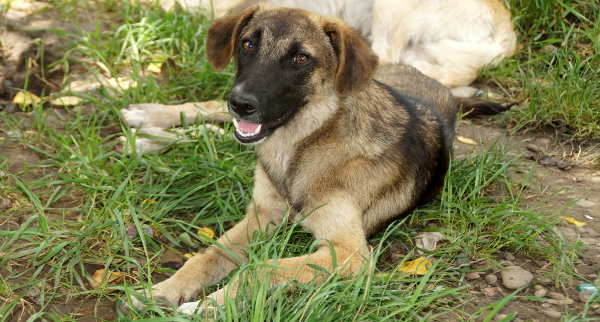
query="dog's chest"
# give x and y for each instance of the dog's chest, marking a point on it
(276, 164)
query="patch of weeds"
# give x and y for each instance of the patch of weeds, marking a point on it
(554, 74)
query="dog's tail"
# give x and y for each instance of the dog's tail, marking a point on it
(475, 107)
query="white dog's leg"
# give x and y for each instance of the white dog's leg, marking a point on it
(151, 119)
(149, 145)
(168, 116)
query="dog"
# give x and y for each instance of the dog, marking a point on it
(344, 146)
(447, 40)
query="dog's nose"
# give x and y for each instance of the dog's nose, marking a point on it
(243, 103)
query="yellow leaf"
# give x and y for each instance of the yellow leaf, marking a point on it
(26, 98)
(66, 101)
(419, 266)
(206, 233)
(188, 255)
(101, 279)
(574, 221)
(155, 67)
(465, 140)
(149, 201)
(156, 64)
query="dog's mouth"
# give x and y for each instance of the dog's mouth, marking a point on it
(249, 132)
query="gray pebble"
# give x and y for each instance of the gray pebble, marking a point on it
(499, 317)
(514, 277)
(561, 302)
(541, 292)
(472, 275)
(491, 279)
(509, 257)
(551, 313)
(584, 296)
(537, 287)
(546, 281)
(556, 296)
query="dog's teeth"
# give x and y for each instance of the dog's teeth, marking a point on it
(246, 134)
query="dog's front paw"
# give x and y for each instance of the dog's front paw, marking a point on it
(163, 296)
(148, 115)
(198, 308)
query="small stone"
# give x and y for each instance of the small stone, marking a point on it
(556, 296)
(499, 317)
(171, 260)
(562, 302)
(517, 320)
(584, 296)
(169, 256)
(509, 263)
(546, 281)
(514, 277)
(537, 287)
(509, 257)
(598, 311)
(541, 292)
(472, 275)
(483, 265)
(551, 313)
(491, 279)
(533, 148)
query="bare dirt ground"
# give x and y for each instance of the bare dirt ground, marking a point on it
(566, 172)
(566, 182)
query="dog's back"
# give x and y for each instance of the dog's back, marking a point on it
(412, 84)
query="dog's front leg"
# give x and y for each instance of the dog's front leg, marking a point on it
(343, 249)
(216, 263)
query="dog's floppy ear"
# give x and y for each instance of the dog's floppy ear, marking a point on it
(222, 37)
(357, 63)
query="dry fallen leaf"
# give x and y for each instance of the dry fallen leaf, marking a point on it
(574, 221)
(465, 140)
(66, 101)
(428, 241)
(490, 291)
(100, 279)
(26, 98)
(419, 266)
(206, 233)
(156, 64)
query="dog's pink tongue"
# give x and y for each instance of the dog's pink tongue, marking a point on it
(247, 127)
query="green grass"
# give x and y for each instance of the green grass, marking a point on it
(85, 207)
(555, 74)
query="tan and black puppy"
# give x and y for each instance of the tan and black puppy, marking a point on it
(351, 146)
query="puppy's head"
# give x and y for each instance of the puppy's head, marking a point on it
(285, 59)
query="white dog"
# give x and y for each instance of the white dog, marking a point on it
(447, 40)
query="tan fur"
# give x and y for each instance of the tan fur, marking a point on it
(358, 154)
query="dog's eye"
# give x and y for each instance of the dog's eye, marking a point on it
(247, 45)
(301, 59)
